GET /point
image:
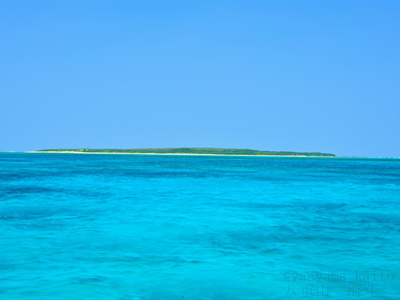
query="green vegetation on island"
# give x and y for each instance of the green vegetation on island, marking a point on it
(214, 151)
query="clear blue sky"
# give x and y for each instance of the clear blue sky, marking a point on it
(268, 75)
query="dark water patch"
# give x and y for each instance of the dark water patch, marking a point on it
(261, 205)
(23, 175)
(152, 174)
(91, 193)
(20, 190)
(24, 214)
(274, 240)
(64, 192)
(330, 207)
(378, 219)
(41, 175)
(6, 176)
(292, 207)
(245, 240)
(6, 267)
(90, 280)
(29, 213)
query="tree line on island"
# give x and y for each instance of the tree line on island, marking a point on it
(217, 151)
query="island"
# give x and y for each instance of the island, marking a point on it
(190, 151)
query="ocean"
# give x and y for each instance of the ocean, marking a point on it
(154, 227)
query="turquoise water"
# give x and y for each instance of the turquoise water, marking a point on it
(198, 227)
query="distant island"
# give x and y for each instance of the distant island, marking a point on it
(192, 151)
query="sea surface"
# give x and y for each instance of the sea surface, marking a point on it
(130, 227)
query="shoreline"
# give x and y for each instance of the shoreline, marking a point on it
(180, 154)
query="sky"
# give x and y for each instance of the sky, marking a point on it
(268, 75)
